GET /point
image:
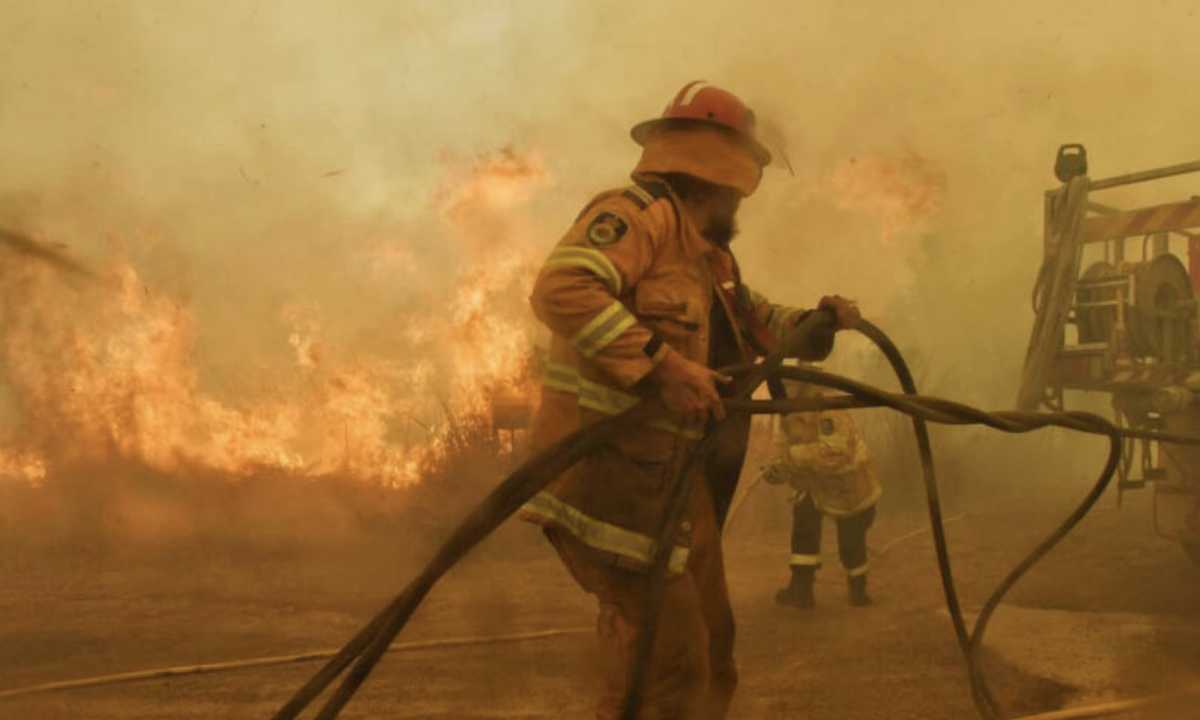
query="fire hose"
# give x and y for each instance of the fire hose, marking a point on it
(363, 651)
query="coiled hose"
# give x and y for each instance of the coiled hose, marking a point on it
(368, 645)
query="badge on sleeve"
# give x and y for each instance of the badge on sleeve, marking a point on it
(605, 229)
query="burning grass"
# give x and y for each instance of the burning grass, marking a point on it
(99, 511)
(118, 433)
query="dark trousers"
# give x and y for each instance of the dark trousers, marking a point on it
(852, 537)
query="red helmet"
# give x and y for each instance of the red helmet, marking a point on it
(699, 102)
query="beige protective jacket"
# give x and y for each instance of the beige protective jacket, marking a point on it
(631, 277)
(823, 454)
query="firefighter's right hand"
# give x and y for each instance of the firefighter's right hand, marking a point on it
(689, 389)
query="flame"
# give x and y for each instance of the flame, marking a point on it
(110, 373)
(26, 466)
(491, 331)
(903, 191)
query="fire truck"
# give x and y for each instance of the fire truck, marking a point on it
(1116, 313)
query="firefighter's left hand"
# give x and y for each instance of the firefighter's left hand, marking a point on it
(846, 310)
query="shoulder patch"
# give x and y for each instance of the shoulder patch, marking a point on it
(606, 229)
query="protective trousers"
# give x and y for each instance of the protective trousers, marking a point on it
(852, 537)
(691, 674)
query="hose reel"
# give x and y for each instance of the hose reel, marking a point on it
(1143, 311)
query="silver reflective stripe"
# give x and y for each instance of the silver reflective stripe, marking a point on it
(603, 399)
(600, 535)
(594, 261)
(809, 560)
(858, 571)
(603, 329)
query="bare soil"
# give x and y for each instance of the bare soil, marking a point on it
(81, 610)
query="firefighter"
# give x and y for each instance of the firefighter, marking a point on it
(823, 458)
(643, 299)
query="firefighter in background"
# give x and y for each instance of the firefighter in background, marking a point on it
(822, 456)
(644, 298)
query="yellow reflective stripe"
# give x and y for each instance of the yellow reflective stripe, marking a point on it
(858, 571)
(807, 560)
(597, 325)
(616, 330)
(601, 398)
(674, 427)
(589, 259)
(560, 377)
(603, 329)
(641, 193)
(598, 534)
(604, 399)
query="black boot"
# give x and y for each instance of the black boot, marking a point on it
(799, 592)
(858, 592)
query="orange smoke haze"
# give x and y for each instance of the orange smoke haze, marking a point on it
(303, 270)
(903, 192)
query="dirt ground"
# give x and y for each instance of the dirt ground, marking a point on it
(1114, 612)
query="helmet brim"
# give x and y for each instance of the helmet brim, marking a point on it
(644, 130)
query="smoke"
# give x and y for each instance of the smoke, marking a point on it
(315, 225)
(289, 188)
